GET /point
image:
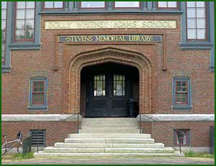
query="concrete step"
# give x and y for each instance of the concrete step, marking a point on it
(101, 124)
(101, 155)
(110, 122)
(126, 120)
(110, 140)
(108, 135)
(109, 119)
(109, 130)
(106, 145)
(108, 150)
(109, 125)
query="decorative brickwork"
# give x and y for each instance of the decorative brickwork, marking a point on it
(110, 55)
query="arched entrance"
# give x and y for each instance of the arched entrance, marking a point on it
(109, 55)
(109, 90)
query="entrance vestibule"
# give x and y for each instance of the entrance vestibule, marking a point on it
(108, 89)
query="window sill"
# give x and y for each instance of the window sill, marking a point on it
(99, 11)
(183, 108)
(6, 69)
(38, 108)
(25, 46)
(196, 46)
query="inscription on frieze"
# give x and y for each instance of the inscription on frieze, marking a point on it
(112, 24)
(109, 38)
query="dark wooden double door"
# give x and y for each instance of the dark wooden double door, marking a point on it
(108, 94)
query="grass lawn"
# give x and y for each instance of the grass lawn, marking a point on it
(18, 156)
(202, 155)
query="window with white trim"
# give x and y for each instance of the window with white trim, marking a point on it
(25, 21)
(127, 4)
(38, 93)
(196, 20)
(181, 93)
(92, 4)
(3, 28)
(53, 4)
(168, 4)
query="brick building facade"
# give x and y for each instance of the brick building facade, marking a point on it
(61, 59)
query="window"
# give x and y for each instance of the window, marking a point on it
(182, 136)
(3, 27)
(119, 85)
(92, 5)
(25, 19)
(196, 20)
(127, 4)
(38, 93)
(38, 137)
(181, 93)
(99, 85)
(53, 4)
(167, 4)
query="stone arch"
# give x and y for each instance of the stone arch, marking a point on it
(115, 55)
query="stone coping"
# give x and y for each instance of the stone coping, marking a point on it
(40, 117)
(73, 117)
(176, 117)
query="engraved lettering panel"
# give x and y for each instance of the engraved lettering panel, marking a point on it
(155, 24)
(109, 38)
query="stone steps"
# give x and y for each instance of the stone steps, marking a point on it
(106, 145)
(109, 121)
(107, 137)
(108, 150)
(110, 130)
(102, 155)
(110, 140)
(85, 126)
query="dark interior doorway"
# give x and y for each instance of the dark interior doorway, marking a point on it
(109, 90)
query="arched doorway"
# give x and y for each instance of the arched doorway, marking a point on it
(109, 55)
(109, 90)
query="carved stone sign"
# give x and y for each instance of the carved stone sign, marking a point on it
(109, 38)
(114, 24)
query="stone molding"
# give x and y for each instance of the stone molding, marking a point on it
(176, 117)
(73, 117)
(40, 117)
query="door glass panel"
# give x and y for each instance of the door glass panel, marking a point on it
(119, 85)
(99, 85)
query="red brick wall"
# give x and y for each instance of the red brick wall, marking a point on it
(163, 132)
(55, 131)
(30, 63)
